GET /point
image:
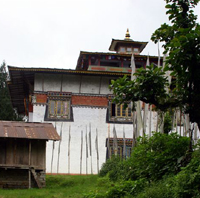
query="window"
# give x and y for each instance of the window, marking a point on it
(129, 50)
(58, 107)
(117, 113)
(121, 145)
(120, 111)
(122, 49)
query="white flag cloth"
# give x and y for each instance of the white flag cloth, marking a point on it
(158, 55)
(132, 67)
(139, 117)
(138, 105)
(115, 146)
(145, 107)
(124, 144)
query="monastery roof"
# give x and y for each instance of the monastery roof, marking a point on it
(27, 130)
(21, 82)
(16, 72)
(116, 54)
(116, 42)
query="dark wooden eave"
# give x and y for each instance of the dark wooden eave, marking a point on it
(127, 56)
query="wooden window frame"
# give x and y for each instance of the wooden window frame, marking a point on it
(119, 110)
(56, 114)
(116, 113)
(65, 111)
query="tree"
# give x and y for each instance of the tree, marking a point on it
(6, 110)
(182, 44)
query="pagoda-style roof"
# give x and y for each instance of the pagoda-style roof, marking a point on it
(115, 43)
(86, 54)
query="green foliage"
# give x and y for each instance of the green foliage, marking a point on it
(167, 122)
(151, 159)
(122, 189)
(157, 156)
(182, 44)
(113, 167)
(60, 186)
(6, 110)
(186, 184)
(148, 86)
(159, 189)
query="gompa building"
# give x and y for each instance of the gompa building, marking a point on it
(79, 104)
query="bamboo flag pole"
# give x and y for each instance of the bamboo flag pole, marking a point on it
(124, 144)
(59, 148)
(195, 132)
(86, 142)
(184, 125)
(158, 55)
(97, 150)
(139, 118)
(69, 141)
(162, 120)
(115, 140)
(134, 129)
(150, 118)
(53, 152)
(145, 115)
(81, 155)
(134, 113)
(158, 117)
(90, 141)
(176, 112)
(145, 118)
(173, 120)
(108, 143)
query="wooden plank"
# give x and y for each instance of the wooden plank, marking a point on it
(38, 153)
(21, 152)
(3, 151)
(9, 151)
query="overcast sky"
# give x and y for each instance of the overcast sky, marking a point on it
(51, 33)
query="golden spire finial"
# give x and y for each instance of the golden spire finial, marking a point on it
(127, 36)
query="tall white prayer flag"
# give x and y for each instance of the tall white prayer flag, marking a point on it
(145, 107)
(132, 67)
(158, 55)
(138, 105)
(124, 144)
(115, 145)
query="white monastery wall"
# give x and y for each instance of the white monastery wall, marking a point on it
(57, 159)
(83, 116)
(72, 83)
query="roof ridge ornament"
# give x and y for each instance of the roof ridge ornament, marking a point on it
(127, 36)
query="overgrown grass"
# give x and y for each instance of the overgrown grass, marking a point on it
(59, 186)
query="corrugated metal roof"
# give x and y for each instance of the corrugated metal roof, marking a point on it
(28, 130)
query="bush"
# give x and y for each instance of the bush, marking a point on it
(186, 184)
(113, 167)
(157, 156)
(151, 158)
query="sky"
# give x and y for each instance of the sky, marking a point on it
(51, 33)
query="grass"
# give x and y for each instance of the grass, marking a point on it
(59, 186)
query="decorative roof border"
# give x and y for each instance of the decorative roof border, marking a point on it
(115, 54)
(67, 71)
(88, 94)
(91, 107)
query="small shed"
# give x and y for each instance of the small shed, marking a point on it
(23, 153)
